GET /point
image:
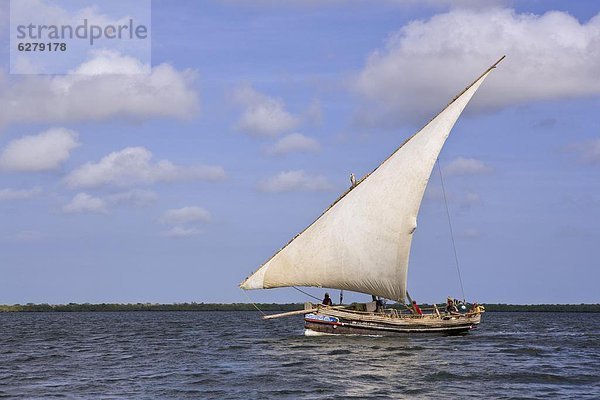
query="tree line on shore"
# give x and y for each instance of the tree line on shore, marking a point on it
(107, 307)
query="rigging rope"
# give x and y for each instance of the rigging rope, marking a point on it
(262, 312)
(308, 294)
(255, 306)
(451, 231)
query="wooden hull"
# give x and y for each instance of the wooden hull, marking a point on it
(338, 322)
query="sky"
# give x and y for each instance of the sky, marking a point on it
(171, 180)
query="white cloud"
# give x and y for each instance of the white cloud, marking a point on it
(133, 165)
(44, 9)
(295, 181)
(426, 63)
(263, 115)
(180, 232)
(109, 62)
(85, 203)
(115, 86)
(18, 194)
(183, 220)
(135, 197)
(42, 152)
(466, 166)
(185, 215)
(293, 142)
(52, 12)
(588, 151)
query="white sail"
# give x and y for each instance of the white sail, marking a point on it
(362, 242)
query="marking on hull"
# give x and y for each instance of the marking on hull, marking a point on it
(322, 319)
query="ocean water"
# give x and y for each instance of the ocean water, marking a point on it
(236, 355)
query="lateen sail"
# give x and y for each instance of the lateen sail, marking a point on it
(362, 242)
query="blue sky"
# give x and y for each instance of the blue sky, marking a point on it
(175, 185)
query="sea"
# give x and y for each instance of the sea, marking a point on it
(237, 355)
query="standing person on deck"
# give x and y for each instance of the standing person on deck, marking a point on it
(327, 300)
(416, 309)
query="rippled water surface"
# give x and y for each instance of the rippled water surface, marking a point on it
(236, 355)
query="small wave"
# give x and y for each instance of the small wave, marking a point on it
(540, 378)
(339, 351)
(293, 364)
(202, 382)
(236, 347)
(526, 351)
(446, 376)
(370, 378)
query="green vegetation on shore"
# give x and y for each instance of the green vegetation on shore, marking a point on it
(104, 307)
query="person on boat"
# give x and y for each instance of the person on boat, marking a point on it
(451, 308)
(327, 300)
(460, 305)
(416, 308)
(476, 309)
(379, 304)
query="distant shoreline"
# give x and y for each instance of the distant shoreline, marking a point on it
(108, 307)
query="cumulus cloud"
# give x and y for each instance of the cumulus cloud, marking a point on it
(54, 14)
(588, 151)
(107, 85)
(466, 166)
(135, 197)
(295, 181)
(549, 56)
(185, 215)
(295, 142)
(263, 115)
(133, 166)
(42, 152)
(184, 220)
(85, 203)
(9, 194)
(181, 231)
